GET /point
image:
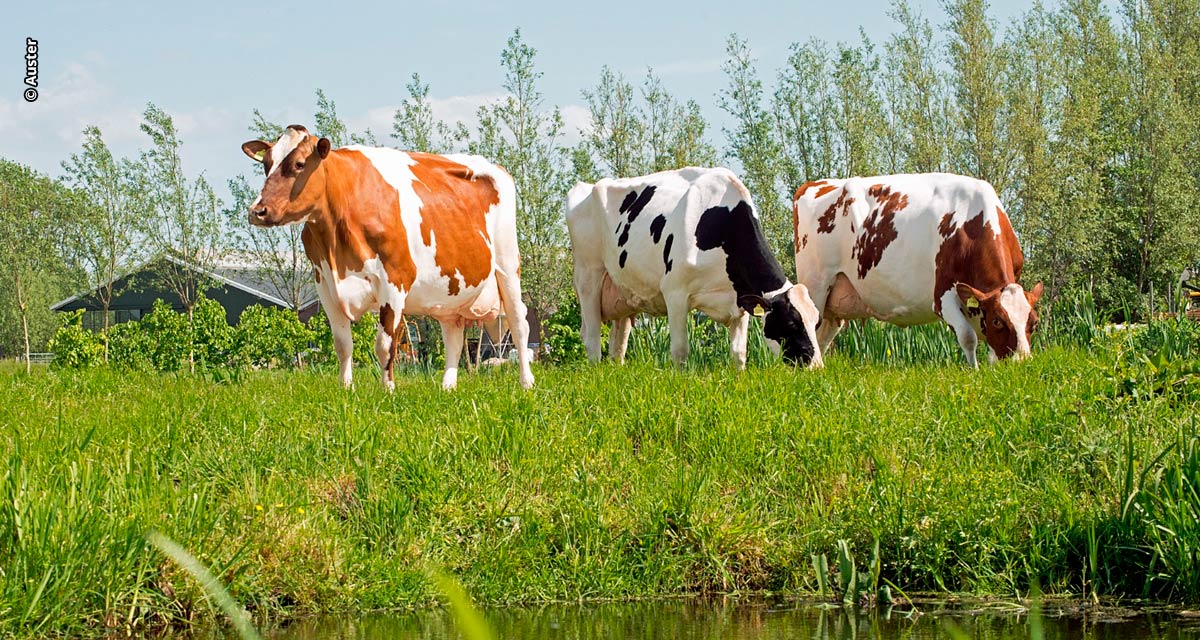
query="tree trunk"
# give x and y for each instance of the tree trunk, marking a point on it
(104, 333)
(191, 342)
(24, 324)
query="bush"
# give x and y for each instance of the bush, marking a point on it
(75, 347)
(270, 337)
(212, 337)
(167, 337)
(564, 344)
(130, 347)
(363, 333)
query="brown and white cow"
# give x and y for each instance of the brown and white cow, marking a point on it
(398, 233)
(910, 249)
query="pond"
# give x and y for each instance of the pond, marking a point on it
(771, 620)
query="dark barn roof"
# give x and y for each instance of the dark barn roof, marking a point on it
(236, 287)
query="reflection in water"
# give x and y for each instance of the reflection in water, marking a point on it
(754, 621)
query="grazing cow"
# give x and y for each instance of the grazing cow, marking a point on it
(400, 233)
(910, 249)
(674, 241)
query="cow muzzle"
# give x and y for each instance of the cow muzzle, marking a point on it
(259, 216)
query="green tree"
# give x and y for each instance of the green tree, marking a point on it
(186, 231)
(521, 134)
(803, 110)
(416, 128)
(916, 95)
(751, 140)
(617, 133)
(32, 210)
(858, 115)
(977, 63)
(103, 239)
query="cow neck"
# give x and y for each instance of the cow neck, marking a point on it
(749, 263)
(335, 229)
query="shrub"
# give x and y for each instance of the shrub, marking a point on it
(130, 347)
(363, 335)
(270, 337)
(167, 337)
(564, 342)
(75, 347)
(212, 337)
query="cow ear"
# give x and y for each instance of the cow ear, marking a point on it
(323, 147)
(750, 302)
(256, 149)
(970, 296)
(1034, 294)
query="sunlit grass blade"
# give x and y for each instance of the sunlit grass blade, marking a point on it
(213, 587)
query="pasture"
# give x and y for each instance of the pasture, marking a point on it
(1077, 470)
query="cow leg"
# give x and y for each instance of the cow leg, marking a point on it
(452, 338)
(518, 325)
(618, 339)
(739, 331)
(588, 284)
(343, 345)
(953, 314)
(677, 320)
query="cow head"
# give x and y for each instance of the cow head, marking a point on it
(295, 181)
(1006, 314)
(790, 322)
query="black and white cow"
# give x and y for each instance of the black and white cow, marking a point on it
(679, 240)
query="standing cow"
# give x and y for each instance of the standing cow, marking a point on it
(910, 249)
(674, 241)
(398, 233)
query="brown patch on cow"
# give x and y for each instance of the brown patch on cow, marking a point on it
(812, 184)
(946, 226)
(804, 241)
(454, 206)
(387, 320)
(347, 233)
(879, 228)
(825, 222)
(977, 258)
(796, 224)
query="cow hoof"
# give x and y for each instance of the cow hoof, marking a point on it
(527, 382)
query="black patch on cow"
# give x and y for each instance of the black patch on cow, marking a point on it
(624, 236)
(667, 261)
(656, 227)
(628, 201)
(624, 256)
(634, 203)
(751, 266)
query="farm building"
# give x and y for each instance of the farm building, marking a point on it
(235, 285)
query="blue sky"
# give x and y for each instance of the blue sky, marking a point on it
(210, 63)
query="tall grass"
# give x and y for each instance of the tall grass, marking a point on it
(602, 482)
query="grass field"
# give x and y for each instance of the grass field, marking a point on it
(1077, 470)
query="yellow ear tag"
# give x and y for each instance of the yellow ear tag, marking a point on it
(260, 155)
(972, 303)
(759, 311)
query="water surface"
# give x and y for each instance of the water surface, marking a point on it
(770, 621)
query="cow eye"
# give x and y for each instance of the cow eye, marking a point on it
(996, 322)
(300, 165)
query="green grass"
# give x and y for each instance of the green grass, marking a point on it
(1078, 467)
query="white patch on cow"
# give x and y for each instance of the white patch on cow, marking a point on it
(282, 147)
(1016, 305)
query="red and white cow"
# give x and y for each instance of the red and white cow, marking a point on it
(910, 249)
(398, 233)
(679, 240)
